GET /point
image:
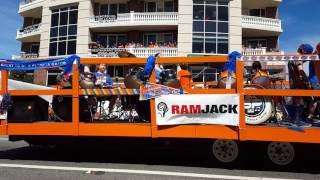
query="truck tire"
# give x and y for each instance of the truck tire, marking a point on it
(281, 153)
(225, 151)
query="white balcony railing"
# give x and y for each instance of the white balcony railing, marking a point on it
(139, 52)
(26, 5)
(24, 55)
(133, 18)
(29, 31)
(259, 51)
(269, 24)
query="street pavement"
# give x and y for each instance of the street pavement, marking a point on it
(139, 161)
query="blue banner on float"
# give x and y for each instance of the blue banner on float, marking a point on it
(24, 65)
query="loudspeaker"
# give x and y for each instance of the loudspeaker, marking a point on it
(27, 109)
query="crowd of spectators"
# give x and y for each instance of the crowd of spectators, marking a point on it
(169, 44)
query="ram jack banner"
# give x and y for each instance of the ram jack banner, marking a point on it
(222, 109)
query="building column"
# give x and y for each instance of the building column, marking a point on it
(235, 26)
(185, 28)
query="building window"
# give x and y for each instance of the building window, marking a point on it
(161, 39)
(159, 6)
(210, 26)
(63, 31)
(113, 9)
(112, 40)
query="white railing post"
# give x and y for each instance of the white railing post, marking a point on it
(132, 16)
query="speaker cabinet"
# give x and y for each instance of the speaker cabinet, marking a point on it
(27, 109)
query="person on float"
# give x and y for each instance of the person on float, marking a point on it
(299, 103)
(314, 70)
(104, 80)
(184, 77)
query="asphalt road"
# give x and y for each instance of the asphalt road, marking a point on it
(136, 161)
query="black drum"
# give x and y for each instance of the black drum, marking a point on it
(132, 79)
(62, 106)
(87, 80)
(169, 78)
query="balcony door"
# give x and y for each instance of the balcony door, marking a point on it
(150, 6)
(35, 48)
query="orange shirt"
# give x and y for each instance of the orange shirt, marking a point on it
(185, 79)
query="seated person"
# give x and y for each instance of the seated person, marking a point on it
(103, 79)
(184, 77)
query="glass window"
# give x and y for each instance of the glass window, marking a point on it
(211, 13)
(198, 26)
(168, 6)
(223, 13)
(210, 17)
(62, 48)
(63, 31)
(211, 26)
(198, 12)
(104, 9)
(64, 18)
(123, 8)
(113, 9)
(54, 20)
(223, 27)
(72, 47)
(73, 19)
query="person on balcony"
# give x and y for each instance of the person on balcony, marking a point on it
(151, 45)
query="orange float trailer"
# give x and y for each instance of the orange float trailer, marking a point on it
(224, 138)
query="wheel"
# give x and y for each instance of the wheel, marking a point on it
(225, 151)
(281, 153)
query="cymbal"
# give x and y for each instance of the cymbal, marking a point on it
(125, 54)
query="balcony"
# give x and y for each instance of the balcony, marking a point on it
(24, 55)
(260, 23)
(139, 52)
(29, 34)
(28, 5)
(135, 19)
(259, 51)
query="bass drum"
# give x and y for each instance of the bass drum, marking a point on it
(258, 109)
(132, 80)
(261, 78)
(222, 83)
(169, 78)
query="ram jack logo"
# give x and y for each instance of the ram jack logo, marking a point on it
(163, 109)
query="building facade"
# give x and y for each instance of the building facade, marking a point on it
(171, 27)
(101, 28)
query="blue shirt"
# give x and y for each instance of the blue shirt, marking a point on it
(103, 79)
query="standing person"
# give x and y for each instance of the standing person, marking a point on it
(314, 71)
(184, 77)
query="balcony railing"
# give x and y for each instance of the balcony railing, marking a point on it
(254, 22)
(259, 51)
(26, 5)
(134, 18)
(24, 55)
(139, 52)
(27, 31)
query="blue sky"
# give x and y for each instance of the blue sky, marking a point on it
(300, 21)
